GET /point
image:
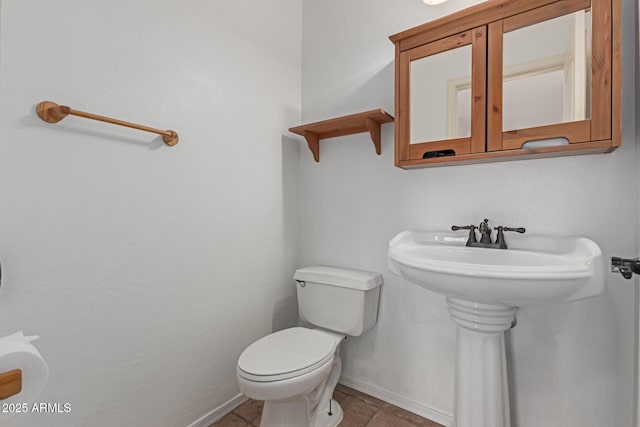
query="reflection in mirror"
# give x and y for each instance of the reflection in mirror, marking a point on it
(546, 70)
(433, 112)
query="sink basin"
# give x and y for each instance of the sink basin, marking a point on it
(483, 288)
(534, 270)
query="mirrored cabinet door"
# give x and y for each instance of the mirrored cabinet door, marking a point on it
(509, 79)
(542, 70)
(442, 97)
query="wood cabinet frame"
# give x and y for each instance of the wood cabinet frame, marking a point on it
(477, 38)
(485, 25)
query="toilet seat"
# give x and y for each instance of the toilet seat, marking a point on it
(286, 354)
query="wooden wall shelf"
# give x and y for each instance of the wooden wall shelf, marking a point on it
(368, 121)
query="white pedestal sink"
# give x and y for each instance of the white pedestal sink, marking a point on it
(483, 287)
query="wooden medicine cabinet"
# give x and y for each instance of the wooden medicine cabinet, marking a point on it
(509, 79)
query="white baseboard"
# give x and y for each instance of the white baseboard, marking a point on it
(425, 411)
(220, 411)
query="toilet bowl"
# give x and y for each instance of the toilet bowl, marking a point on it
(295, 370)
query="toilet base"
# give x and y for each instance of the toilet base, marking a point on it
(323, 419)
(295, 414)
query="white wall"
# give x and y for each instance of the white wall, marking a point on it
(130, 258)
(571, 365)
(146, 269)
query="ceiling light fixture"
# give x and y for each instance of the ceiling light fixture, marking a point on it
(433, 2)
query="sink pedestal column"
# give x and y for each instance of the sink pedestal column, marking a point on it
(481, 386)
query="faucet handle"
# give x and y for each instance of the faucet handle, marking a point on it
(500, 239)
(462, 227)
(472, 232)
(517, 230)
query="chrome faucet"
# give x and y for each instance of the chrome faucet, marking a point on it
(485, 235)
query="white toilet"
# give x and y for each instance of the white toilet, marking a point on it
(296, 370)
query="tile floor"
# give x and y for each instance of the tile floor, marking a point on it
(360, 410)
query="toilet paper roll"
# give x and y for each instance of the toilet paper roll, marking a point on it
(17, 352)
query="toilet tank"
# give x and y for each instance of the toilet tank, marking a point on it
(338, 299)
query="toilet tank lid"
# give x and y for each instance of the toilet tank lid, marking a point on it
(337, 276)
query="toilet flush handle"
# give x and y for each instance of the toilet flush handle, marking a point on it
(302, 283)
